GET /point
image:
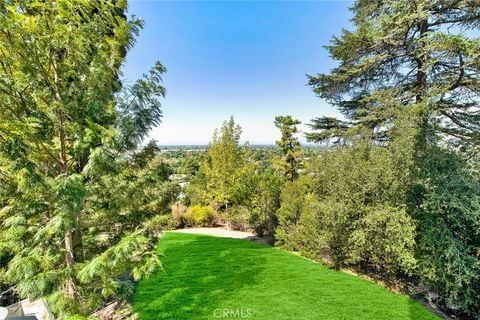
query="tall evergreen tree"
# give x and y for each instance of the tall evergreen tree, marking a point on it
(290, 161)
(405, 54)
(63, 124)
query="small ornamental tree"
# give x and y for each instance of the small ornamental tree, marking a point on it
(224, 164)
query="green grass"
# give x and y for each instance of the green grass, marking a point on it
(204, 276)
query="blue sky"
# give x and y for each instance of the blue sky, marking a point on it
(246, 59)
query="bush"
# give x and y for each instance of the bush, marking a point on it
(448, 233)
(383, 241)
(202, 215)
(299, 226)
(350, 211)
(293, 199)
(238, 218)
(180, 216)
(265, 202)
(160, 223)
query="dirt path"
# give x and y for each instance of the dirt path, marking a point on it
(219, 232)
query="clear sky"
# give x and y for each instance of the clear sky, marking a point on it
(246, 59)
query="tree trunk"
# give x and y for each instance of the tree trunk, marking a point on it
(421, 75)
(69, 255)
(78, 240)
(228, 218)
(422, 87)
(70, 261)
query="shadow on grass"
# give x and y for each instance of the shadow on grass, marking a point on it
(199, 272)
(204, 274)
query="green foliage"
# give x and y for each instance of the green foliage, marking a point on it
(160, 223)
(239, 218)
(290, 162)
(350, 211)
(401, 54)
(180, 215)
(398, 188)
(74, 207)
(265, 202)
(226, 175)
(293, 200)
(448, 224)
(148, 152)
(139, 108)
(234, 180)
(115, 259)
(196, 191)
(224, 165)
(384, 239)
(189, 164)
(202, 215)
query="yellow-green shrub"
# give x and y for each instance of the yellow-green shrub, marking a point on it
(202, 215)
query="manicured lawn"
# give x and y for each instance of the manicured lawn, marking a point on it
(216, 278)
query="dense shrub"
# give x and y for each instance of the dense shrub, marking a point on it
(349, 210)
(196, 191)
(264, 204)
(368, 207)
(239, 218)
(202, 215)
(293, 200)
(449, 232)
(383, 240)
(161, 223)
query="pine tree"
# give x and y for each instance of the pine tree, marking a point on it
(404, 54)
(290, 162)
